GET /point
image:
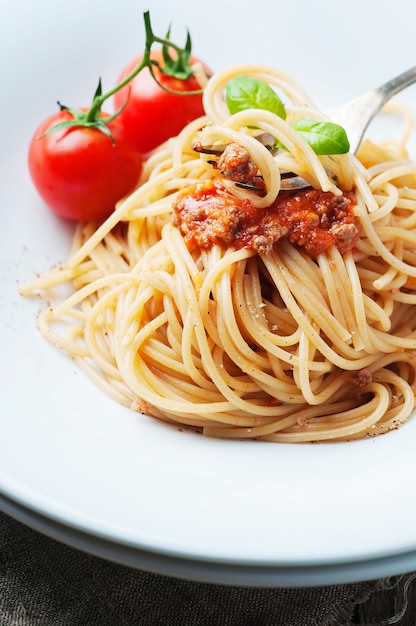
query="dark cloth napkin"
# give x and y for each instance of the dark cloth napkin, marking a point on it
(46, 583)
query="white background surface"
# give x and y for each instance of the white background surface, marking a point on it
(72, 455)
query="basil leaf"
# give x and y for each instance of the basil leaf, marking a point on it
(245, 92)
(323, 137)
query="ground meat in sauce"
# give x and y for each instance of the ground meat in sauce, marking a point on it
(207, 218)
(362, 378)
(236, 164)
(207, 214)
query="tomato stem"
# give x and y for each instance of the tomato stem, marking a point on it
(178, 67)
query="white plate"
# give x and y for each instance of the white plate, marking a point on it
(81, 468)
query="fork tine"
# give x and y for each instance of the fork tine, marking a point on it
(214, 150)
(250, 187)
(293, 183)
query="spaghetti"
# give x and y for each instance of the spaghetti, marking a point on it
(281, 343)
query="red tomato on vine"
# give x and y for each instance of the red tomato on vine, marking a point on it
(154, 113)
(80, 171)
(83, 161)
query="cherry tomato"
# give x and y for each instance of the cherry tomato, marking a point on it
(79, 172)
(153, 115)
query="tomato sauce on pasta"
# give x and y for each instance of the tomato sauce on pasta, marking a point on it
(207, 214)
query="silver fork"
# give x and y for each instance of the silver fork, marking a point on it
(356, 115)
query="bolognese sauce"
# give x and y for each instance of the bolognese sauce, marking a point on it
(208, 214)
